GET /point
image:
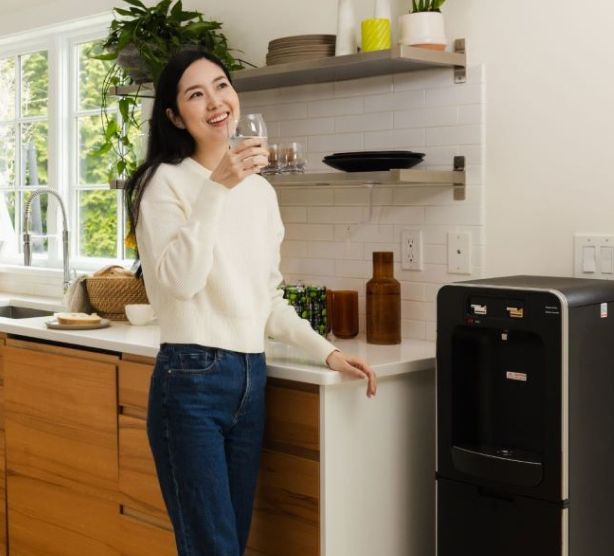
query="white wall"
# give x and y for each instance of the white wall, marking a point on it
(550, 125)
(550, 105)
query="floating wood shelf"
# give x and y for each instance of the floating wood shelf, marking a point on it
(410, 177)
(338, 68)
(352, 66)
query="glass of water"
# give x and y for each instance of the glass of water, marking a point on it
(246, 127)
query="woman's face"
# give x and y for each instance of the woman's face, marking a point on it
(207, 102)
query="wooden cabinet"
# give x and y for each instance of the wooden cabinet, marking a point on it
(286, 518)
(61, 438)
(80, 475)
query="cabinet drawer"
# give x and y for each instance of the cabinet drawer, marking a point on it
(134, 381)
(56, 521)
(138, 480)
(293, 418)
(139, 538)
(287, 507)
(61, 419)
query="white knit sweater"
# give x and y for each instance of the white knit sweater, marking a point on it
(210, 258)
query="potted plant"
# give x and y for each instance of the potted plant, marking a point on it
(423, 26)
(141, 40)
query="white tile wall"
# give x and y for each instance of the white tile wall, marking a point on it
(331, 232)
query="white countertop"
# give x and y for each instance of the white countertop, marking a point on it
(283, 361)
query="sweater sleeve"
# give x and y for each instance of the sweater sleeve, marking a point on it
(284, 324)
(179, 248)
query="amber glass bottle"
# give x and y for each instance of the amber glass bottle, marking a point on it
(383, 302)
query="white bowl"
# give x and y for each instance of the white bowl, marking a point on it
(140, 314)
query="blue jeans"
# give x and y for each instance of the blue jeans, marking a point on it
(205, 425)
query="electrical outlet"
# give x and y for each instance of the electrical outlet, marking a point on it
(411, 249)
(459, 252)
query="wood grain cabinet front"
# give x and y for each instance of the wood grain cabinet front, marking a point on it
(61, 450)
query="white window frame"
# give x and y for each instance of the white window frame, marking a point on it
(61, 41)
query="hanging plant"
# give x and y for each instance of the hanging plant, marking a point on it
(141, 40)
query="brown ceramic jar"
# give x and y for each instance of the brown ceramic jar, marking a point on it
(383, 302)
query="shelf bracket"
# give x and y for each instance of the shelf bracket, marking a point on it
(460, 72)
(459, 182)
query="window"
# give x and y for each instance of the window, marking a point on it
(49, 127)
(24, 130)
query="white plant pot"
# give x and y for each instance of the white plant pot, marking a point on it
(423, 29)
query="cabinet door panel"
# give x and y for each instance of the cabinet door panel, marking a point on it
(138, 538)
(293, 418)
(134, 384)
(138, 480)
(60, 419)
(286, 509)
(51, 520)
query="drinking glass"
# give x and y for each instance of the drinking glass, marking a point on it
(295, 158)
(247, 126)
(277, 160)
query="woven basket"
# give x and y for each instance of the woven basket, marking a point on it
(111, 289)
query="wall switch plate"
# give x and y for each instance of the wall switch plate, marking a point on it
(459, 252)
(594, 256)
(411, 249)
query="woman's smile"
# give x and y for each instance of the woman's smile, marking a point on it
(219, 119)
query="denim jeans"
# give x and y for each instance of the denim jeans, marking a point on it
(205, 425)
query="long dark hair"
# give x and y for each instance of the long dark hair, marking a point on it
(166, 143)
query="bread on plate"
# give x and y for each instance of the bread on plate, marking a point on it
(78, 318)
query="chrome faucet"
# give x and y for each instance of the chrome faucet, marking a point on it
(27, 251)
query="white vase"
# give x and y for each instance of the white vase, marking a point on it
(382, 9)
(423, 29)
(346, 28)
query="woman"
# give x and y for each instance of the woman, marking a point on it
(208, 231)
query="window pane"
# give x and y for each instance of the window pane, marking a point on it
(98, 223)
(34, 153)
(7, 156)
(91, 77)
(38, 220)
(93, 169)
(7, 89)
(8, 235)
(34, 84)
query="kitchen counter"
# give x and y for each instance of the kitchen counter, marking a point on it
(283, 361)
(355, 454)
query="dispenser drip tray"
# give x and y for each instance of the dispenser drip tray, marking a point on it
(504, 465)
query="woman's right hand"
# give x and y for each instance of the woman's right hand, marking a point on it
(247, 158)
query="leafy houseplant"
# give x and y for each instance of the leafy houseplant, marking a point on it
(423, 25)
(426, 6)
(140, 42)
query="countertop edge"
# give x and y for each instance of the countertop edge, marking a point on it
(284, 362)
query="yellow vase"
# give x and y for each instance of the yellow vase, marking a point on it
(375, 34)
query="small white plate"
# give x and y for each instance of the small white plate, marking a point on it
(55, 325)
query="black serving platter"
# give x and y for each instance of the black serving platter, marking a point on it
(375, 154)
(371, 163)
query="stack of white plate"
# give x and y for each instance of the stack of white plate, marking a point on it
(299, 48)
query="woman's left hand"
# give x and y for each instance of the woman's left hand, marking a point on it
(346, 363)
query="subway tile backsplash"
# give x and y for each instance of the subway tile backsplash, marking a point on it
(331, 232)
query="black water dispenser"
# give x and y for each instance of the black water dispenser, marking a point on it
(525, 417)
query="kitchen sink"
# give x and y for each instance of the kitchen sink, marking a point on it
(16, 312)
